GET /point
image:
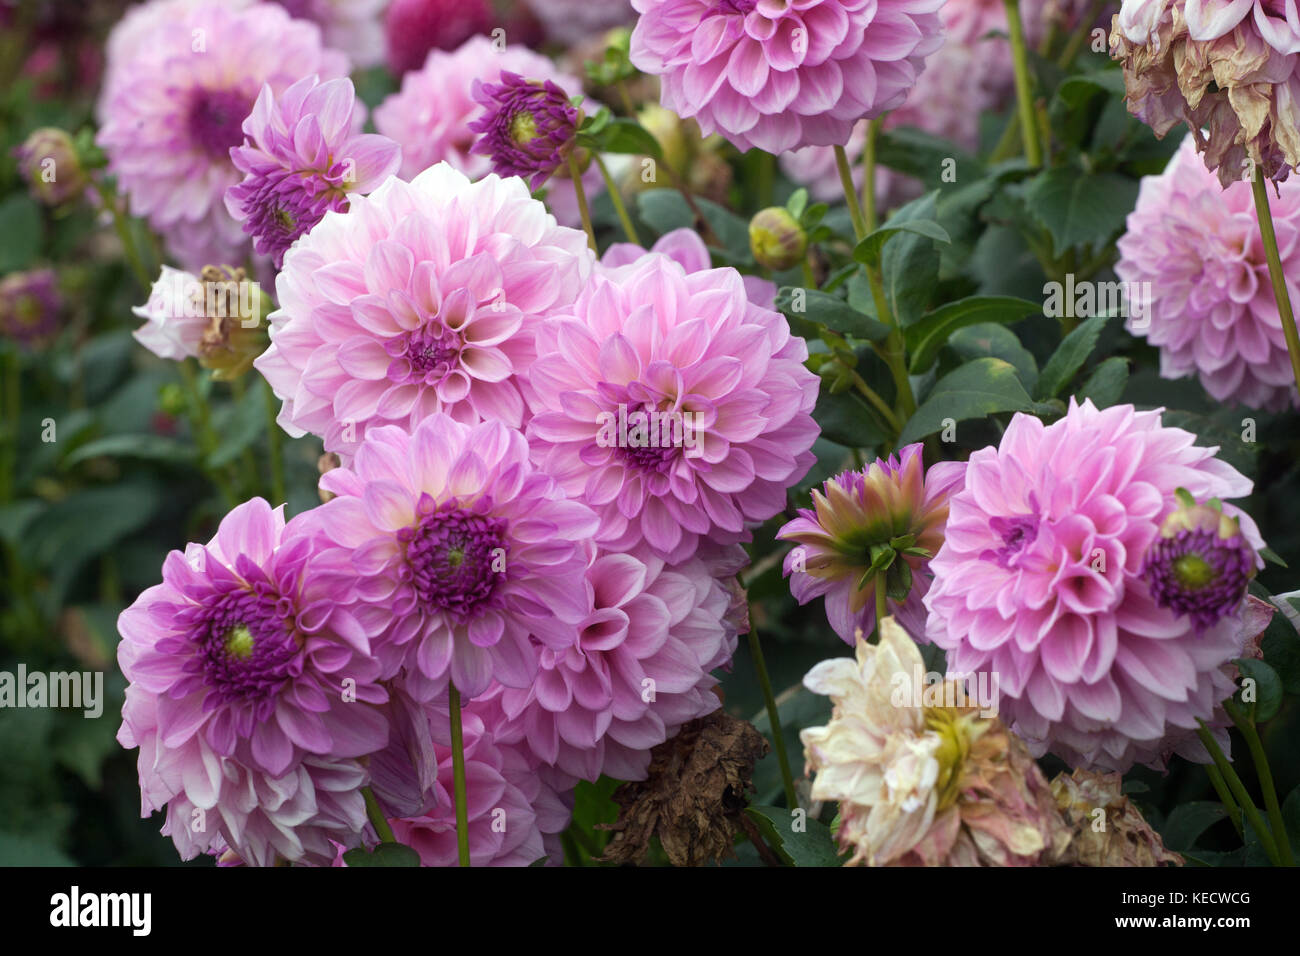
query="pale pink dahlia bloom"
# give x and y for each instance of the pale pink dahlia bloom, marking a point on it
(1212, 312)
(673, 405)
(421, 298)
(686, 248)
(893, 503)
(175, 317)
(639, 670)
(248, 645)
(464, 551)
(1040, 581)
(178, 103)
(431, 114)
(304, 154)
(774, 75)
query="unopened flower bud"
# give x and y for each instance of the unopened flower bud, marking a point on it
(48, 163)
(776, 238)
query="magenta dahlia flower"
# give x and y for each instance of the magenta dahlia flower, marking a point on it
(894, 510)
(686, 248)
(178, 105)
(302, 157)
(1040, 581)
(639, 670)
(422, 298)
(220, 806)
(527, 128)
(465, 550)
(415, 27)
(673, 405)
(776, 76)
(248, 645)
(430, 116)
(1212, 313)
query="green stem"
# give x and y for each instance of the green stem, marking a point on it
(13, 413)
(207, 438)
(583, 209)
(773, 716)
(124, 235)
(809, 277)
(617, 199)
(458, 778)
(1275, 274)
(279, 492)
(1225, 797)
(1239, 791)
(377, 818)
(1024, 89)
(1080, 35)
(850, 193)
(869, 174)
(879, 403)
(882, 610)
(766, 179)
(1246, 726)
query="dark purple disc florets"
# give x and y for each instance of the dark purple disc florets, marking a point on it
(457, 557)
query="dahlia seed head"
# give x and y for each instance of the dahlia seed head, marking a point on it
(1201, 564)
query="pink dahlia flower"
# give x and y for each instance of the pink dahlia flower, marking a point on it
(464, 550)
(673, 405)
(686, 248)
(353, 26)
(430, 115)
(248, 645)
(892, 504)
(639, 670)
(1040, 582)
(302, 158)
(415, 27)
(514, 813)
(422, 298)
(177, 107)
(776, 76)
(1212, 311)
(216, 805)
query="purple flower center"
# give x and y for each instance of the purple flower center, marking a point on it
(283, 206)
(1017, 533)
(248, 648)
(425, 356)
(457, 559)
(527, 128)
(216, 120)
(1199, 574)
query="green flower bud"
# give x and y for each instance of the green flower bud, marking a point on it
(777, 239)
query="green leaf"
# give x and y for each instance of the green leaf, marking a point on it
(869, 250)
(1188, 821)
(146, 447)
(1291, 817)
(810, 845)
(664, 210)
(21, 227)
(1069, 358)
(386, 854)
(830, 311)
(1077, 90)
(909, 265)
(1106, 383)
(628, 136)
(925, 156)
(927, 336)
(999, 342)
(239, 426)
(1268, 688)
(1079, 208)
(19, 850)
(847, 420)
(982, 387)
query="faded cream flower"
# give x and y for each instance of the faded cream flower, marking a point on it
(1116, 836)
(920, 784)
